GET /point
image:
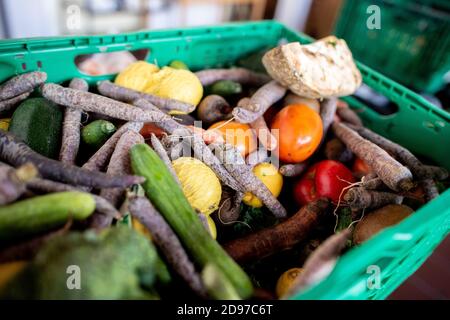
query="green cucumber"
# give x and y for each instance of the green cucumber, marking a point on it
(178, 64)
(38, 122)
(97, 132)
(168, 198)
(225, 88)
(43, 213)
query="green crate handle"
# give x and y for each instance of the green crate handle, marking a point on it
(221, 46)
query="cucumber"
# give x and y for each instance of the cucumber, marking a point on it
(168, 198)
(97, 132)
(225, 88)
(38, 122)
(43, 213)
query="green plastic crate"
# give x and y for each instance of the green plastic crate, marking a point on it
(412, 46)
(417, 125)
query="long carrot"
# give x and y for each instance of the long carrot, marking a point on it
(263, 98)
(260, 126)
(404, 155)
(159, 149)
(394, 174)
(17, 153)
(119, 164)
(321, 262)
(167, 241)
(99, 160)
(236, 166)
(8, 104)
(109, 89)
(22, 83)
(282, 236)
(293, 170)
(96, 103)
(70, 140)
(201, 150)
(361, 198)
(13, 181)
(241, 75)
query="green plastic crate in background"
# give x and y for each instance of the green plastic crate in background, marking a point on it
(417, 125)
(412, 46)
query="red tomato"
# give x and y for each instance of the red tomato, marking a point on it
(150, 128)
(326, 178)
(360, 167)
(299, 132)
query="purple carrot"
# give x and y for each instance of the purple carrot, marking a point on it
(17, 153)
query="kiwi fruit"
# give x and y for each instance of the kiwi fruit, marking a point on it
(379, 219)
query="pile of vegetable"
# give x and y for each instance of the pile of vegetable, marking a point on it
(224, 183)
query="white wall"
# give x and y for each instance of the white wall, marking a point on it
(293, 13)
(32, 18)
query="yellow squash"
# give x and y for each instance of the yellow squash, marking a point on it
(177, 84)
(200, 185)
(136, 75)
(269, 175)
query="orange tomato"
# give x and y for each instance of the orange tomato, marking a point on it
(300, 131)
(238, 134)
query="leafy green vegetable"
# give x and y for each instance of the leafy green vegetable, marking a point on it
(115, 264)
(252, 220)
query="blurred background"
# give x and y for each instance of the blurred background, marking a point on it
(411, 44)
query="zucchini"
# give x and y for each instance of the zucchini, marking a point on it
(168, 198)
(225, 88)
(38, 122)
(97, 132)
(43, 213)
